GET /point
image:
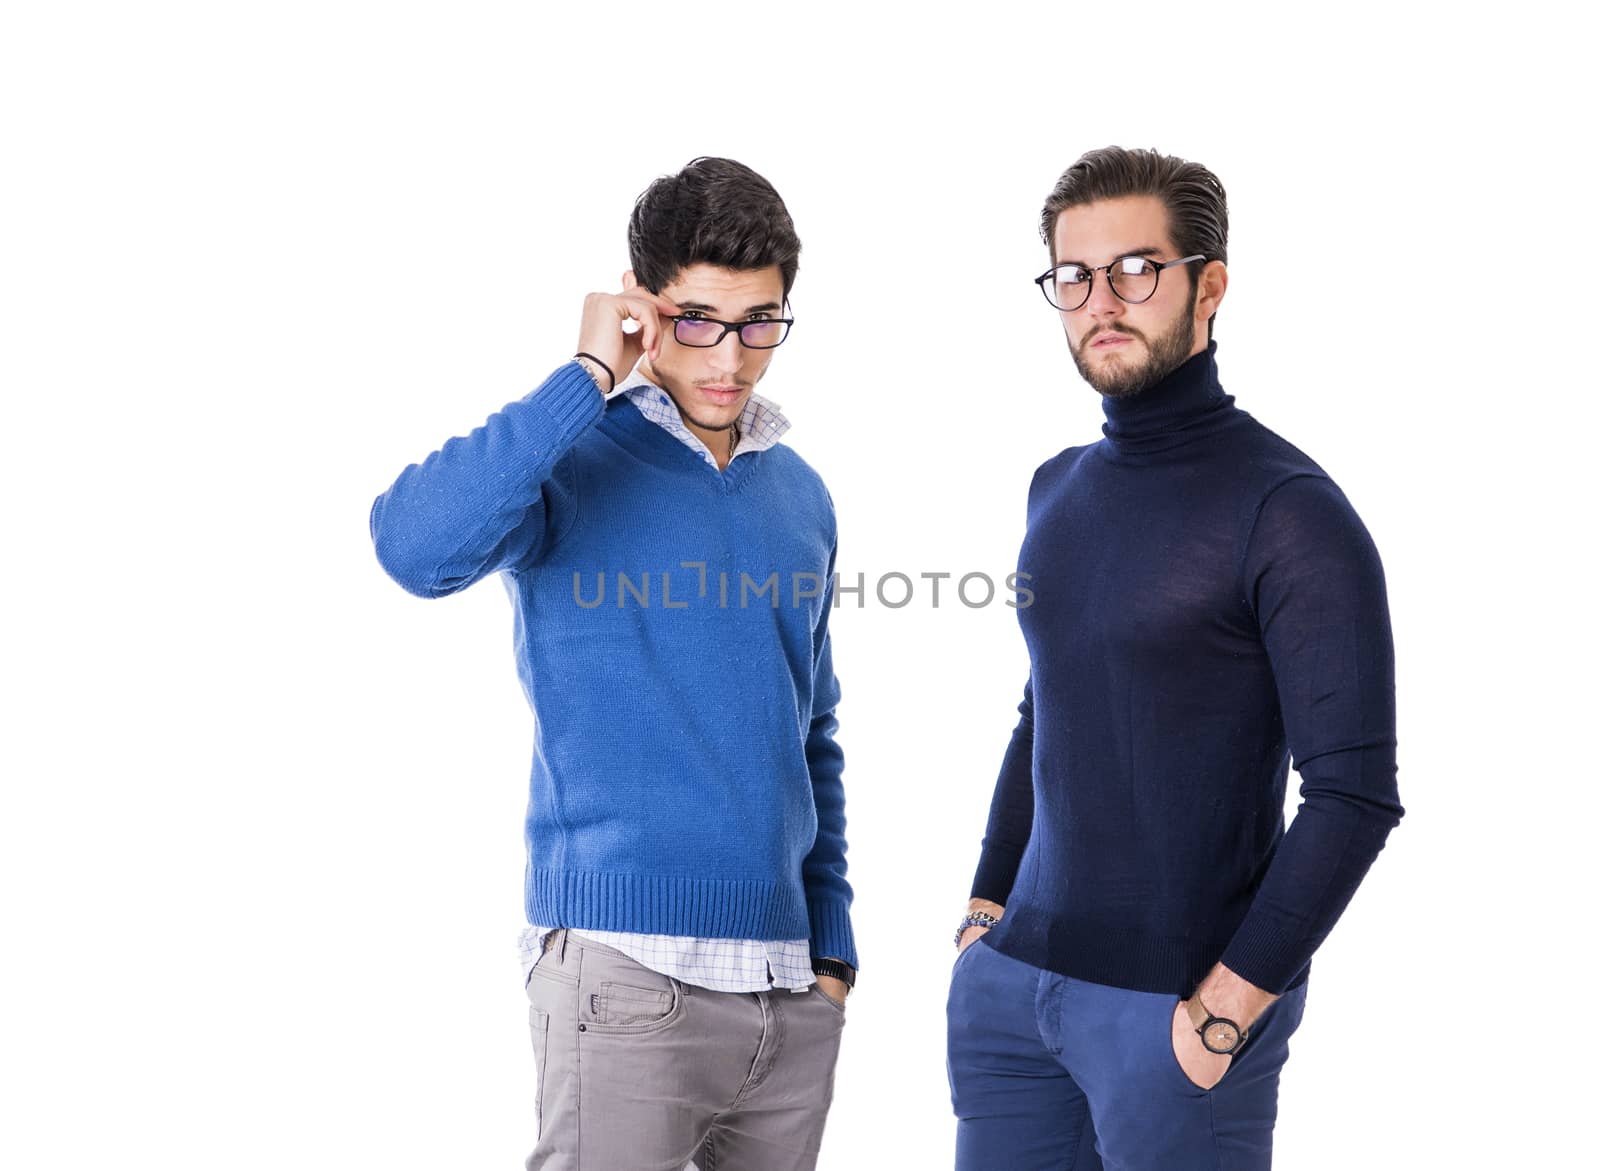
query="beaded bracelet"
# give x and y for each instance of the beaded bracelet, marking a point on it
(974, 919)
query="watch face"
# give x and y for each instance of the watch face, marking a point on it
(1220, 1036)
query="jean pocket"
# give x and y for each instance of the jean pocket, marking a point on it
(616, 1007)
(836, 1005)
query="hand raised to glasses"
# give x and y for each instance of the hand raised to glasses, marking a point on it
(601, 331)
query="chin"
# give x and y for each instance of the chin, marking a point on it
(717, 418)
(1121, 356)
(727, 414)
(1122, 365)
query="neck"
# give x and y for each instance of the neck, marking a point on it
(725, 455)
(719, 442)
(1154, 418)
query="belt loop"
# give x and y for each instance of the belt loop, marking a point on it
(561, 946)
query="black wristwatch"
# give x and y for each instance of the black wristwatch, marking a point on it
(838, 969)
(1217, 1033)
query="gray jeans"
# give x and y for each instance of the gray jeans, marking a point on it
(641, 1072)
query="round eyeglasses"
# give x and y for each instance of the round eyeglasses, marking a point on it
(1133, 278)
(704, 332)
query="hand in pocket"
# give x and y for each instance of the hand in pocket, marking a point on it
(1201, 1066)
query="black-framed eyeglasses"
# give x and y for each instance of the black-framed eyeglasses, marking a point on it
(764, 333)
(1133, 278)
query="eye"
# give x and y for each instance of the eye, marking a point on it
(760, 317)
(1071, 275)
(1133, 266)
(692, 315)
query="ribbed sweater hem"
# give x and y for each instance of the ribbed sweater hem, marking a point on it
(707, 908)
(701, 908)
(1118, 959)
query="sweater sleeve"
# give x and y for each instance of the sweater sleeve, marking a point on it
(1010, 811)
(485, 501)
(1316, 584)
(828, 893)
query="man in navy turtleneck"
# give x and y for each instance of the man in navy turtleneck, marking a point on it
(1206, 605)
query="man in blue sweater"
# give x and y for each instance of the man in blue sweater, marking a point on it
(1206, 604)
(670, 566)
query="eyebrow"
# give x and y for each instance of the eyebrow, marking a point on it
(1117, 257)
(702, 307)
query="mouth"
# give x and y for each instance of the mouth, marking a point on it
(722, 396)
(1110, 341)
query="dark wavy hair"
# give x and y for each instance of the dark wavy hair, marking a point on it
(1197, 206)
(714, 211)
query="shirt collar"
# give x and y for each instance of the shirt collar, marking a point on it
(761, 423)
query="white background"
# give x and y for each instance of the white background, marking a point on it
(261, 853)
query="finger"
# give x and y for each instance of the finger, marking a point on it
(649, 332)
(631, 350)
(655, 299)
(657, 302)
(630, 311)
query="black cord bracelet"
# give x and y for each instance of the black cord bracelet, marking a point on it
(602, 365)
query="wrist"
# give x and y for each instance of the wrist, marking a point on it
(981, 919)
(1219, 1033)
(1227, 994)
(603, 376)
(838, 969)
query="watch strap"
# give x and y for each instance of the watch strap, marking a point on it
(838, 969)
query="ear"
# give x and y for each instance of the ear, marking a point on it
(1213, 287)
(629, 281)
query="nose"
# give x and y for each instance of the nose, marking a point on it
(726, 356)
(1103, 304)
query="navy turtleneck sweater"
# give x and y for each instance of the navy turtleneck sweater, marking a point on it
(1206, 603)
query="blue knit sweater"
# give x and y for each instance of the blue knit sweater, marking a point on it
(1206, 602)
(671, 632)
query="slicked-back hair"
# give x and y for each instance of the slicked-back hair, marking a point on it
(1197, 206)
(714, 211)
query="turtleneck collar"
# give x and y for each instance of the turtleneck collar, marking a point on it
(1172, 411)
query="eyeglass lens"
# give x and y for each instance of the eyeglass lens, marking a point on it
(696, 331)
(1133, 278)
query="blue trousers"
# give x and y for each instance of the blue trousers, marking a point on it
(1051, 1072)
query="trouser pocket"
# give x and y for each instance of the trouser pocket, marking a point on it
(618, 995)
(539, 1027)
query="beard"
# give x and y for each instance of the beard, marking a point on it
(1166, 352)
(674, 390)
